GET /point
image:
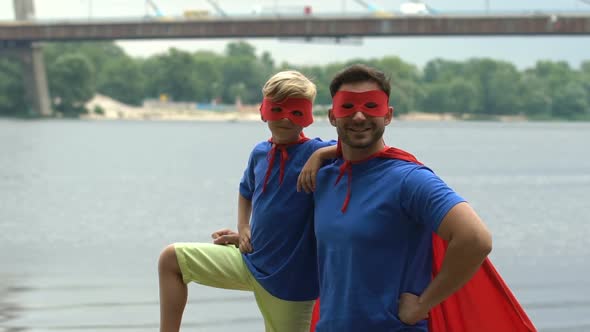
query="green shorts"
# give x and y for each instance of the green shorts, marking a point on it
(223, 267)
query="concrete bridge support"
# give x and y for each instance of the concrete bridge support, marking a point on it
(31, 57)
(35, 79)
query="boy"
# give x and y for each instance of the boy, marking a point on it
(277, 247)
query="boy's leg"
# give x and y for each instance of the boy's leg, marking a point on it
(280, 315)
(208, 264)
(173, 291)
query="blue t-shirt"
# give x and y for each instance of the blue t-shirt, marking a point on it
(381, 246)
(284, 259)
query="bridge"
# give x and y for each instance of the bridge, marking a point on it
(22, 37)
(303, 26)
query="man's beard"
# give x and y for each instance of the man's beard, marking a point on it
(345, 137)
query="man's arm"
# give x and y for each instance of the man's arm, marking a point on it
(244, 212)
(469, 243)
(307, 177)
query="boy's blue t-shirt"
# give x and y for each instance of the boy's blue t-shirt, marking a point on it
(284, 259)
(381, 246)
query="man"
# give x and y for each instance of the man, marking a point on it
(375, 252)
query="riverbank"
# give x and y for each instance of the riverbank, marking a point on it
(105, 108)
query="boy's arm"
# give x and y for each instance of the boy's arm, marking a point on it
(244, 212)
(469, 243)
(307, 178)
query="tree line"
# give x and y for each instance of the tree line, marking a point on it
(479, 87)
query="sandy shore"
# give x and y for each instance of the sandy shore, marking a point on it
(112, 109)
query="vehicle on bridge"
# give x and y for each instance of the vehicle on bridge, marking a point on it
(406, 8)
(189, 14)
(196, 14)
(260, 10)
(415, 8)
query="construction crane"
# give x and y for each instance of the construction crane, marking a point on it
(373, 9)
(370, 7)
(150, 4)
(217, 8)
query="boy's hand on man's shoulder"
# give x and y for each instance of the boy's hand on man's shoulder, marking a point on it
(307, 177)
(308, 174)
(244, 244)
(226, 236)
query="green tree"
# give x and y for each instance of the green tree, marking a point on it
(405, 96)
(268, 63)
(440, 70)
(585, 78)
(570, 102)
(317, 74)
(503, 89)
(563, 86)
(497, 83)
(240, 49)
(534, 100)
(173, 74)
(241, 71)
(208, 76)
(448, 89)
(71, 82)
(12, 94)
(397, 69)
(458, 97)
(122, 79)
(99, 54)
(244, 70)
(554, 74)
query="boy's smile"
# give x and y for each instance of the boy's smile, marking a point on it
(284, 131)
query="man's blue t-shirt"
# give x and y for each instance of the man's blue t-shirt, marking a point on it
(284, 259)
(381, 246)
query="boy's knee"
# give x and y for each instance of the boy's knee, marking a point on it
(168, 261)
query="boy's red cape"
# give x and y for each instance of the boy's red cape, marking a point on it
(483, 304)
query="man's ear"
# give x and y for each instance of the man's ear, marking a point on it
(389, 116)
(331, 117)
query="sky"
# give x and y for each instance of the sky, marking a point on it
(524, 52)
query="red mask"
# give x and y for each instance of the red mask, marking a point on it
(298, 110)
(371, 103)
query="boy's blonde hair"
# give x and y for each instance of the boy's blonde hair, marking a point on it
(289, 83)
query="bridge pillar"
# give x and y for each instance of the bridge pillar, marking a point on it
(31, 57)
(35, 79)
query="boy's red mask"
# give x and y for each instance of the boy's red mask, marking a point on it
(298, 110)
(371, 103)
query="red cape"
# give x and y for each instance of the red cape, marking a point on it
(483, 304)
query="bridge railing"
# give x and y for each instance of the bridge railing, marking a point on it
(348, 14)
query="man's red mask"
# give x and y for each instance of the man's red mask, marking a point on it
(371, 103)
(298, 110)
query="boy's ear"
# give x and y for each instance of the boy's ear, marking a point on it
(331, 117)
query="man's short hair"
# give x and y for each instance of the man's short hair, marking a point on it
(360, 73)
(289, 83)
